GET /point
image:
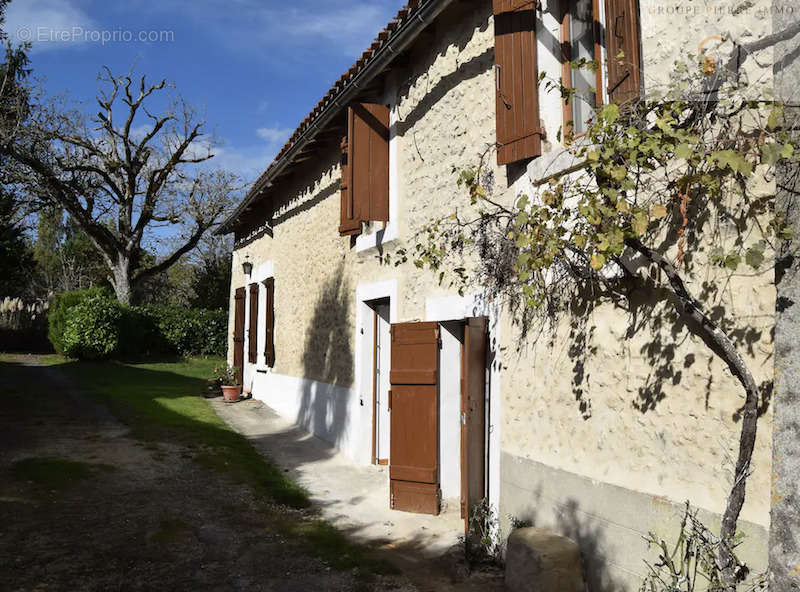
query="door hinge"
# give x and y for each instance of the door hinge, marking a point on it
(463, 418)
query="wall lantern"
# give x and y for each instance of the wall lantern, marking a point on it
(247, 267)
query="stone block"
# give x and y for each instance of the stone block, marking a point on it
(539, 560)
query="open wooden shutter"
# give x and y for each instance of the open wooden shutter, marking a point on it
(252, 341)
(517, 81)
(350, 220)
(269, 346)
(473, 413)
(414, 450)
(365, 167)
(622, 47)
(369, 147)
(238, 333)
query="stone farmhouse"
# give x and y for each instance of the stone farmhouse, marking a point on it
(598, 431)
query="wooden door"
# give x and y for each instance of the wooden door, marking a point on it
(413, 400)
(238, 334)
(473, 416)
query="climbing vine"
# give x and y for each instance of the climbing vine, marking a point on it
(664, 185)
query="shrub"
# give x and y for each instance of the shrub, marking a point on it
(93, 328)
(141, 335)
(57, 317)
(91, 324)
(691, 564)
(186, 331)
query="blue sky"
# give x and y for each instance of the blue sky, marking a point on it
(255, 67)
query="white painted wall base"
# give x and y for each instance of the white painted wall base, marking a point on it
(332, 413)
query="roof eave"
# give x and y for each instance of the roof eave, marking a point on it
(396, 42)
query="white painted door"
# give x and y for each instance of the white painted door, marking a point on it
(383, 359)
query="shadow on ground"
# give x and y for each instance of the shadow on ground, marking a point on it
(187, 503)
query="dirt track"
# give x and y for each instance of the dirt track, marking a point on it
(146, 517)
(132, 515)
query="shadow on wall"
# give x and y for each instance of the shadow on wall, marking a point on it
(655, 321)
(574, 524)
(328, 359)
(448, 35)
(568, 520)
(652, 314)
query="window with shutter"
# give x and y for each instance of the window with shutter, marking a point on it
(622, 50)
(517, 81)
(581, 39)
(269, 304)
(252, 342)
(238, 333)
(365, 168)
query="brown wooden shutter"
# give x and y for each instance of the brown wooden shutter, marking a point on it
(252, 341)
(350, 220)
(269, 346)
(517, 81)
(414, 450)
(622, 49)
(369, 149)
(473, 409)
(238, 333)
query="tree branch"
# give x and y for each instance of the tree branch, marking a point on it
(190, 244)
(722, 345)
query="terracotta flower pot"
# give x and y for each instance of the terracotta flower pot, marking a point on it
(231, 394)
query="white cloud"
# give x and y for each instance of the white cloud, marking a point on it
(247, 161)
(345, 27)
(274, 134)
(351, 27)
(49, 24)
(250, 161)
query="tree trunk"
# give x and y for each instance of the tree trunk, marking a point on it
(784, 532)
(121, 279)
(721, 344)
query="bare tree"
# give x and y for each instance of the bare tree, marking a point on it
(123, 173)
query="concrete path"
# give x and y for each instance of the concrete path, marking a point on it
(354, 498)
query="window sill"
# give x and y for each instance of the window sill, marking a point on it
(376, 239)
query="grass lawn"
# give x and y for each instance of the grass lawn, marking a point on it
(54, 473)
(163, 402)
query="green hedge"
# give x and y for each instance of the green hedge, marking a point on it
(93, 328)
(57, 315)
(94, 325)
(185, 331)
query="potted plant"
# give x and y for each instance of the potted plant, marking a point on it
(227, 377)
